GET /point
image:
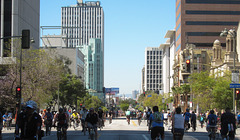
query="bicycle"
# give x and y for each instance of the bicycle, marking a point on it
(177, 136)
(139, 121)
(92, 133)
(75, 123)
(100, 124)
(48, 124)
(110, 119)
(212, 132)
(60, 134)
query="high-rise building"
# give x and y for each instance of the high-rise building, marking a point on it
(200, 22)
(93, 66)
(15, 16)
(153, 69)
(134, 94)
(168, 53)
(82, 22)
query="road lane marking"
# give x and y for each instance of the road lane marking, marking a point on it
(145, 137)
(134, 123)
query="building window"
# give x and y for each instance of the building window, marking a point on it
(213, 12)
(213, 1)
(211, 23)
(202, 33)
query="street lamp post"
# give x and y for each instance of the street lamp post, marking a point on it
(233, 34)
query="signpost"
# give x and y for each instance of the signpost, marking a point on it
(149, 96)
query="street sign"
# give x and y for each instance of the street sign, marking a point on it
(149, 96)
(235, 76)
(234, 85)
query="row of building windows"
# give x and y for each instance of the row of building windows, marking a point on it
(154, 57)
(154, 76)
(207, 44)
(211, 23)
(154, 52)
(154, 81)
(213, 12)
(202, 33)
(152, 66)
(214, 1)
(154, 62)
(154, 71)
(153, 86)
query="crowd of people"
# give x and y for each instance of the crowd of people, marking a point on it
(179, 122)
(30, 123)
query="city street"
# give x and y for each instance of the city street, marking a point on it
(120, 130)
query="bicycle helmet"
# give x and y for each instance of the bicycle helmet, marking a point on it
(31, 104)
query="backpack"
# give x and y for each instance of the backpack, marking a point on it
(49, 116)
(157, 117)
(61, 118)
(213, 122)
(201, 119)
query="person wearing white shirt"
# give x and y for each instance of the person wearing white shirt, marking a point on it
(178, 123)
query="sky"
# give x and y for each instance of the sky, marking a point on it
(130, 27)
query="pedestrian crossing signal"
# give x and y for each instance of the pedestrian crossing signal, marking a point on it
(238, 95)
(18, 92)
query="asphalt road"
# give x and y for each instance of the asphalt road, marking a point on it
(120, 130)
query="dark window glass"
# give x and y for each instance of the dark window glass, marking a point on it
(210, 23)
(207, 44)
(213, 12)
(7, 25)
(214, 1)
(202, 33)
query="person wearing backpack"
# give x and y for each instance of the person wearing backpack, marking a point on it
(202, 120)
(212, 121)
(228, 124)
(156, 121)
(48, 117)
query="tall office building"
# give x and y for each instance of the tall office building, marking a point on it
(93, 66)
(82, 22)
(153, 69)
(200, 22)
(15, 16)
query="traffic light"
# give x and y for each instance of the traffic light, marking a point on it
(80, 105)
(167, 106)
(237, 94)
(18, 92)
(188, 66)
(144, 93)
(25, 39)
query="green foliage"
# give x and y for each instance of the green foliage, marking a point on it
(212, 91)
(124, 106)
(104, 109)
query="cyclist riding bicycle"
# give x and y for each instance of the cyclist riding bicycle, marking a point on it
(75, 117)
(178, 124)
(187, 116)
(83, 115)
(92, 120)
(212, 122)
(100, 115)
(139, 117)
(48, 117)
(156, 121)
(62, 124)
(193, 120)
(128, 113)
(228, 124)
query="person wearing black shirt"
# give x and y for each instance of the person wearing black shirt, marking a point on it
(92, 120)
(100, 115)
(228, 124)
(193, 120)
(29, 122)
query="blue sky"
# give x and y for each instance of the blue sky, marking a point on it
(130, 27)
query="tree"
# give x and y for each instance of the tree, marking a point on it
(124, 106)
